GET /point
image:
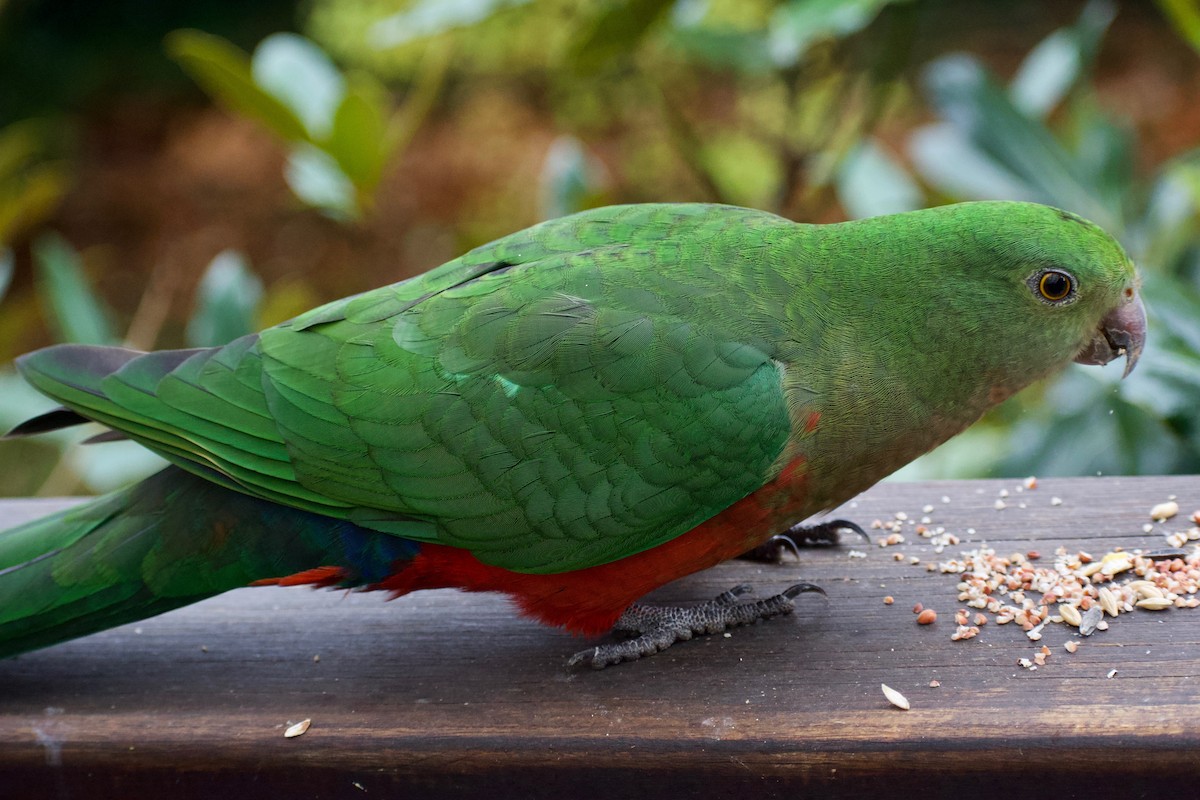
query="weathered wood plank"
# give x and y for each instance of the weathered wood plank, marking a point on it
(445, 694)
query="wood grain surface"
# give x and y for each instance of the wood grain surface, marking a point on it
(443, 694)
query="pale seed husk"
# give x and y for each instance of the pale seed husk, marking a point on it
(1154, 603)
(894, 697)
(298, 729)
(1070, 614)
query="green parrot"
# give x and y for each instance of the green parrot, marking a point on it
(573, 415)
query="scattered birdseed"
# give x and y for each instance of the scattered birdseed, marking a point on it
(1070, 645)
(933, 684)
(918, 608)
(1030, 482)
(299, 729)
(1112, 673)
(964, 632)
(894, 697)
(999, 505)
(927, 617)
(1056, 501)
(1077, 589)
(887, 601)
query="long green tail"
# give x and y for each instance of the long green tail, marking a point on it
(169, 541)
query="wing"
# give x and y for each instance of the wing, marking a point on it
(554, 401)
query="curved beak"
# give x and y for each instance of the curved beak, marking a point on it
(1122, 332)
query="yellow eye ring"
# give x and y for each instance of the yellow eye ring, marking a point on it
(1055, 285)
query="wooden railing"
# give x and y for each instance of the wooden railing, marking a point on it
(443, 694)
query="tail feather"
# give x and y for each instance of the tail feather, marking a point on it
(169, 541)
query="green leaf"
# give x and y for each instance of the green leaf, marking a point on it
(1087, 427)
(569, 178)
(742, 51)
(614, 33)
(947, 159)
(798, 24)
(1167, 228)
(6, 270)
(31, 197)
(1185, 17)
(1055, 66)
(223, 71)
(226, 300)
(966, 97)
(358, 140)
(106, 468)
(74, 311)
(317, 179)
(22, 401)
(871, 182)
(20, 144)
(431, 17)
(299, 74)
(744, 168)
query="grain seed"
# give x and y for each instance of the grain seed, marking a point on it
(1164, 511)
(1070, 615)
(1108, 601)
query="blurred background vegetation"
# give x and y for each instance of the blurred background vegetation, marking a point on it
(176, 174)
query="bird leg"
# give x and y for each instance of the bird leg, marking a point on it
(822, 534)
(656, 628)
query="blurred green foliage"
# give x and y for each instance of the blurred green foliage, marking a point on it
(815, 109)
(225, 308)
(1044, 137)
(340, 129)
(808, 77)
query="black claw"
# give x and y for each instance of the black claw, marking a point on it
(822, 534)
(826, 533)
(795, 591)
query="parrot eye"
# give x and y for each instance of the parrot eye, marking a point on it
(1054, 285)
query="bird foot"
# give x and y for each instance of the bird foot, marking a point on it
(656, 628)
(823, 534)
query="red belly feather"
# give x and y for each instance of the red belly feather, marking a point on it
(589, 601)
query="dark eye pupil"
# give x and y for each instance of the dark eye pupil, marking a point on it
(1055, 285)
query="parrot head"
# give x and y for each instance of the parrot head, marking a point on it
(1059, 287)
(1093, 274)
